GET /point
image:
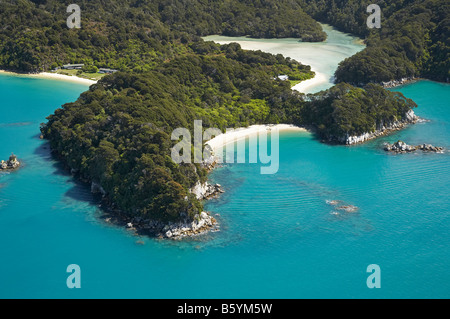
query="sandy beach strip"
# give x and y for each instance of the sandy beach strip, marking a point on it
(54, 76)
(307, 85)
(242, 133)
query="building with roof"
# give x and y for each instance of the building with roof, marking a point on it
(73, 66)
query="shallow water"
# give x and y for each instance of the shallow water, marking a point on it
(323, 57)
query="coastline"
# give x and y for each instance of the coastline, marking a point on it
(52, 76)
(409, 118)
(204, 222)
(306, 85)
(396, 83)
(201, 224)
(323, 57)
(242, 133)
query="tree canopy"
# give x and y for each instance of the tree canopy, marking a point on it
(413, 40)
(135, 35)
(118, 133)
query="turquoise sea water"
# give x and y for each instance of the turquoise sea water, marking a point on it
(279, 238)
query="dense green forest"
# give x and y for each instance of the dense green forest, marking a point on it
(345, 110)
(254, 18)
(413, 40)
(118, 133)
(34, 36)
(135, 35)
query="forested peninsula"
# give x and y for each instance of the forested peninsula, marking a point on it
(117, 134)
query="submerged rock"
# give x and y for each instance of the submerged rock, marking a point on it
(342, 206)
(333, 202)
(348, 208)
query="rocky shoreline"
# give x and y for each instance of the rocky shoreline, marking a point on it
(395, 83)
(202, 223)
(409, 118)
(206, 190)
(11, 164)
(401, 147)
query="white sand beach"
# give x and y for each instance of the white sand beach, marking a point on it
(308, 86)
(54, 76)
(242, 133)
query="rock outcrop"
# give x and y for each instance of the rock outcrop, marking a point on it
(201, 224)
(339, 206)
(408, 118)
(394, 83)
(211, 161)
(402, 147)
(11, 164)
(206, 190)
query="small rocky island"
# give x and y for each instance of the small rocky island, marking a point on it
(11, 164)
(402, 147)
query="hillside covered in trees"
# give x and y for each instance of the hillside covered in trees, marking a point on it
(345, 110)
(413, 40)
(135, 35)
(117, 134)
